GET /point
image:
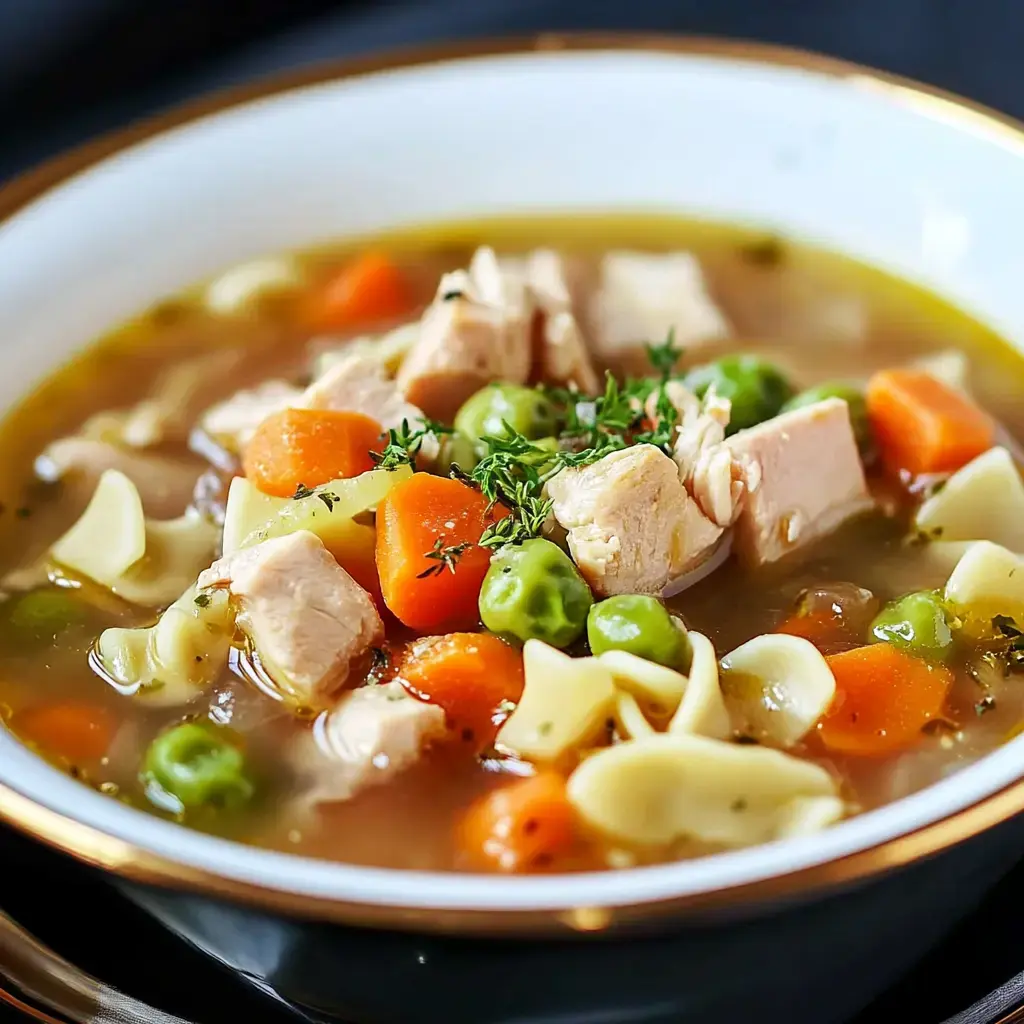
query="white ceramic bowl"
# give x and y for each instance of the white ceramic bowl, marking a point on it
(894, 175)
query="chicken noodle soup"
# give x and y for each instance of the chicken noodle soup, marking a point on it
(520, 546)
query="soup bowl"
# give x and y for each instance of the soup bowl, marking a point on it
(900, 176)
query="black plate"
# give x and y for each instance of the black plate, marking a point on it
(74, 912)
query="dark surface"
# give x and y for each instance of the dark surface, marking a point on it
(81, 917)
(72, 68)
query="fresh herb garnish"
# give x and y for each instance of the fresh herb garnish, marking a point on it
(404, 444)
(452, 294)
(666, 419)
(302, 491)
(446, 557)
(203, 600)
(513, 473)
(328, 498)
(664, 357)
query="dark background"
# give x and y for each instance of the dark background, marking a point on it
(70, 69)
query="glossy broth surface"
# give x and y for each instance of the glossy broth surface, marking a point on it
(816, 315)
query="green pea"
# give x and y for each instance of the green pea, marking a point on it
(851, 394)
(639, 625)
(526, 410)
(40, 616)
(756, 389)
(916, 624)
(457, 449)
(198, 767)
(533, 591)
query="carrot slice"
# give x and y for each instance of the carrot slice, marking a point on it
(73, 730)
(369, 289)
(924, 426)
(519, 828)
(884, 697)
(471, 675)
(421, 519)
(309, 447)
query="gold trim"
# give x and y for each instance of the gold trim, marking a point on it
(94, 847)
(29, 1011)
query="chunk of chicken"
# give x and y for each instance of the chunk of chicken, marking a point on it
(308, 620)
(805, 479)
(371, 735)
(642, 296)
(561, 353)
(477, 330)
(358, 382)
(233, 422)
(164, 483)
(715, 477)
(632, 525)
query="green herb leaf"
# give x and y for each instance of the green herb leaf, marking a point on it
(404, 444)
(664, 357)
(446, 557)
(328, 498)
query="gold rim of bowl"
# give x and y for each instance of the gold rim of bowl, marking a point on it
(128, 861)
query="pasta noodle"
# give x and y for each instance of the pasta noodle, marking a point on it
(565, 704)
(144, 561)
(777, 686)
(663, 788)
(982, 501)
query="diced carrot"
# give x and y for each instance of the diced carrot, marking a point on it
(520, 828)
(429, 563)
(471, 675)
(369, 289)
(884, 697)
(74, 730)
(924, 426)
(309, 447)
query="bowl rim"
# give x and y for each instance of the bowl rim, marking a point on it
(136, 864)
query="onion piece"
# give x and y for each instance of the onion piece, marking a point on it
(710, 564)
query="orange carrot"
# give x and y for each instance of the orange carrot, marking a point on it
(922, 425)
(429, 564)
(883, 699)
(519, 828)
(73, 730)
(471, 675)
(369, 289)
(309, 447)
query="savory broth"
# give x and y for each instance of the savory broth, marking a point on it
(815, 316)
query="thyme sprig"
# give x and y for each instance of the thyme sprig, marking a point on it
(665, 357)
(445, 557)
(404, 444)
